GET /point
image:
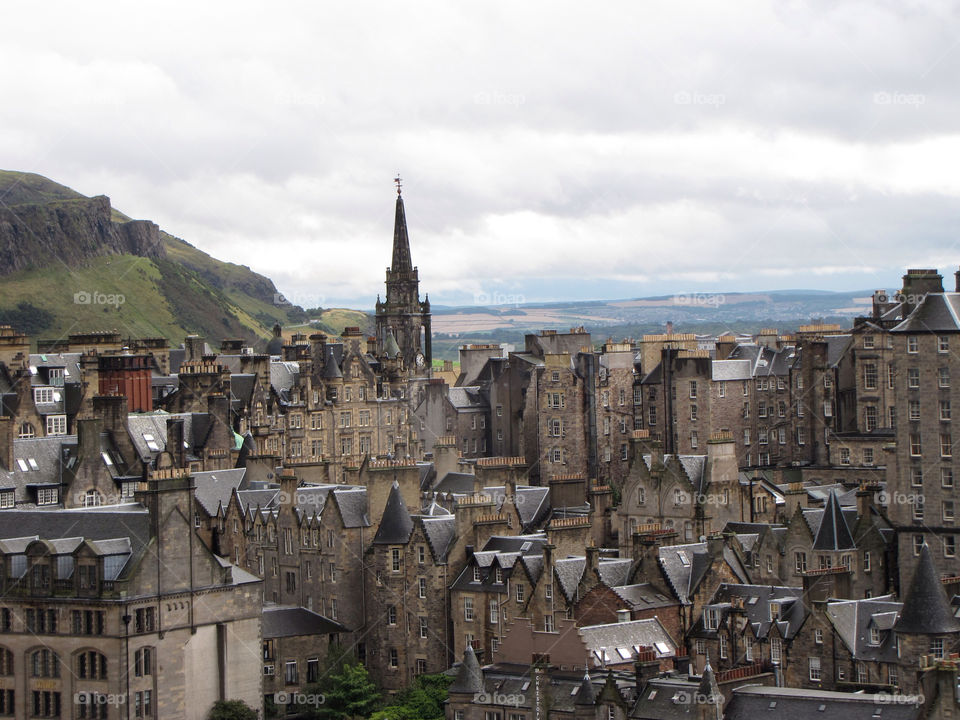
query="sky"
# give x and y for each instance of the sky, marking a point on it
(548, 150)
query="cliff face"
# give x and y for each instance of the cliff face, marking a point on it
(71, 232)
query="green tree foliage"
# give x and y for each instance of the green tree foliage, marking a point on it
(344, 691)
(422, 701)
(232, 710)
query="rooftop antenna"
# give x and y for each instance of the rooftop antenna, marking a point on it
(399, 183)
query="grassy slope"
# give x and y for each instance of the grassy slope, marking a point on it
(189, 292)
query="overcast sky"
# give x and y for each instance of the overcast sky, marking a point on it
(549, 150)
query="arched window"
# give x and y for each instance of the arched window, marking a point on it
(26, 431)
(44, 663)
(91, 498)
(91, 665)
(6, 662)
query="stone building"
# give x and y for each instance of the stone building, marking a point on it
(124, 607)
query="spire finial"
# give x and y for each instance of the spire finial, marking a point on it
(399, 183)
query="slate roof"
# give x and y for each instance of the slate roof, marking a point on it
(352, 503)
(643, 596)
(560, 693)
(685, 565)
(852, 620)
(283, 376)
(469, 678)
(618, 643)
(106, 523)
(467, 397)
(281, 622)
(440, 532)
(754, 702)
(926, 610)
(456, 482)
(46, 454)
(396, 525)
(667, 698)
(833, 532)
(533, 504)
(936, 312)
(214, 487)
(730, 370)
(756, 605)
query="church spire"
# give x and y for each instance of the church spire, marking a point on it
(401, 243)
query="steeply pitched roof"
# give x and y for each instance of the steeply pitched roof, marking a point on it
(926, 610)
(833, 533)
(469, 679)
(396, 523)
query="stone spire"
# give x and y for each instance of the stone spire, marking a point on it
(708, 695)
(833, 533)
(401, 243)
(586, 695)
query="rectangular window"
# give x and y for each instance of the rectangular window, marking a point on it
(870, 376)
(913, 378)
(943, 344)
(814, 665)
(946, 445)
(943, 377)
(912, 345)
(916, 448)
(468, 609)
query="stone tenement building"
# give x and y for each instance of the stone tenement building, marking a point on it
(123, 606)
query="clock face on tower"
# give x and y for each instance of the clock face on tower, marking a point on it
(419, 360)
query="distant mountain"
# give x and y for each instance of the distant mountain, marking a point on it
(72, 263)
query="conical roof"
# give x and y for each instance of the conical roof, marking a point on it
(396, 523)
(708, 692)
(833, 533)
(469, 678)
(586, 695)
(331, 369)
(925, 607)
(401, 243)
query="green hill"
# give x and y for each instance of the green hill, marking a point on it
(70, 263)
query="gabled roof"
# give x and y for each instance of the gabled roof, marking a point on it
(214, 487)
(926, 610)
(440, 532)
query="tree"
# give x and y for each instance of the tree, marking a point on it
(421, 701)
(232, 710)
(345, 692)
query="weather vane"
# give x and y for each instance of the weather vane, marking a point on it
(398, 182)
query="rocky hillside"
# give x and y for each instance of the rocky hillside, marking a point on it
(72, 263)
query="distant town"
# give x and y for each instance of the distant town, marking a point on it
(663, 527)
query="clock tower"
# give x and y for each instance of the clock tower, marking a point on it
(403, 320)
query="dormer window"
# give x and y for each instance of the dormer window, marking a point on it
(711, 618)
(499, 575)
(476, 573)
(774, 611)
(874, 635)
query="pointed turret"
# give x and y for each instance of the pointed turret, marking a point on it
(708, 694)
(926, 610)
(401, 243)
(586, 695)
(833, 533)
(469, 677)
(396, 523)
(390, 346)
